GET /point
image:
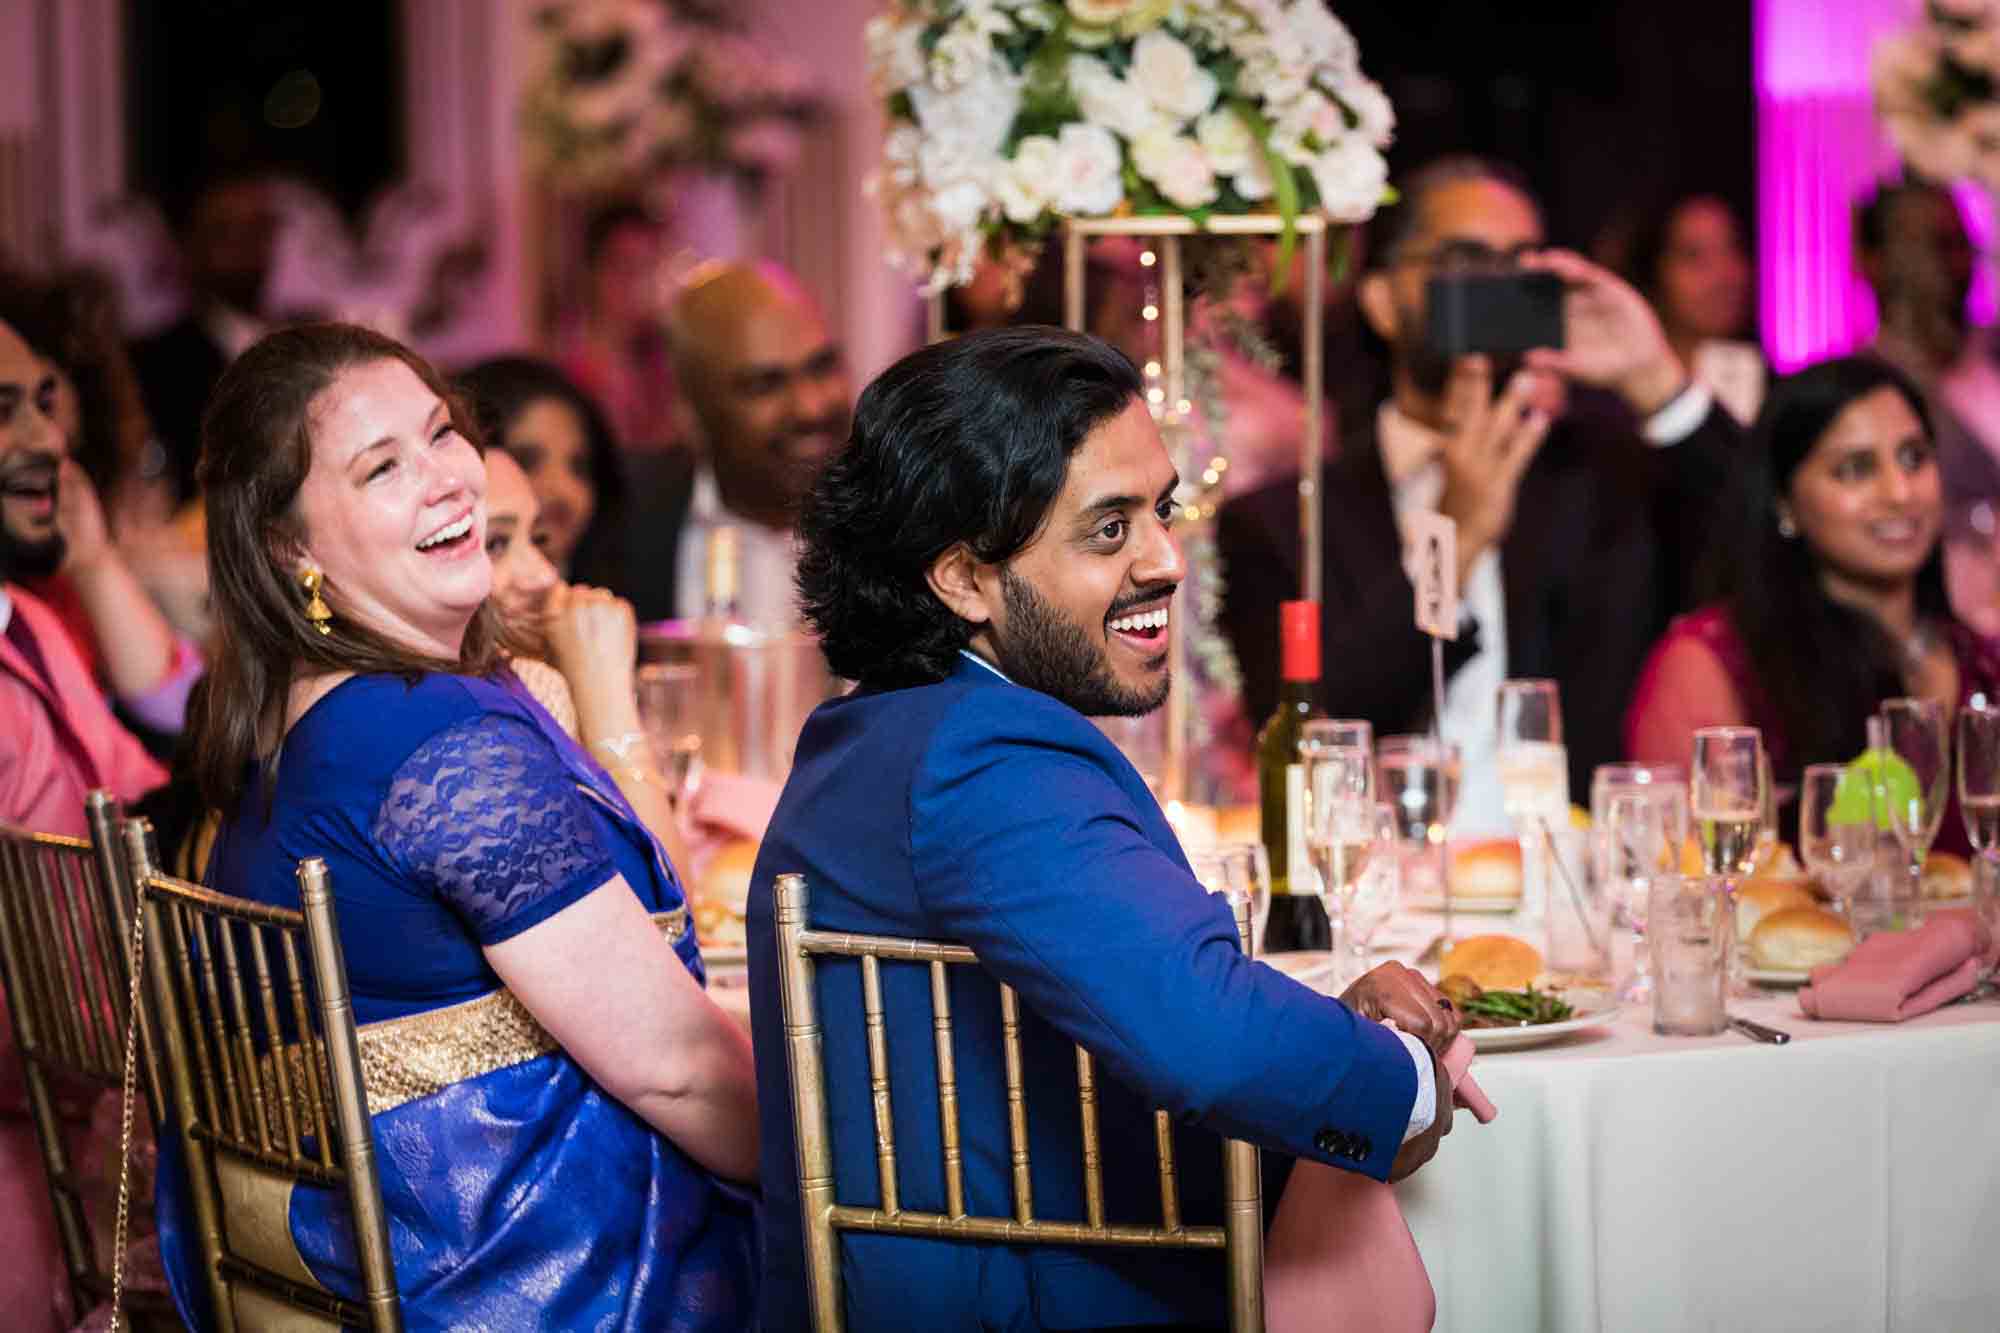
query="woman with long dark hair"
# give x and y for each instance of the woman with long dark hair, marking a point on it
(505, 914)
(1829, 589)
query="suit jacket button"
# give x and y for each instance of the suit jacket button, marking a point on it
(1367, 1147)
(1327, 1142)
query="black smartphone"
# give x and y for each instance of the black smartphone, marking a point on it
(1493, 312)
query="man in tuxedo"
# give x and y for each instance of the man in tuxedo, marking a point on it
(764, 397)
(990, 558)
(226, 242)
(1578, 522)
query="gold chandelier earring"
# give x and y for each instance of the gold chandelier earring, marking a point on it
(317, 611)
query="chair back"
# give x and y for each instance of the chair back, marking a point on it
(1240, 1238)
(66, 956)
(264, 1075)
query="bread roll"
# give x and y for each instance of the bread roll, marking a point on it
(1797, 939)
(1947, 876)
(1758, 898)
(722, 894)
(1489, 869)
(1496, 962)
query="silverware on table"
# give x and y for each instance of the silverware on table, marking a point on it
(1758, 1032)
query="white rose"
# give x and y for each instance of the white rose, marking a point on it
(1173, 80)
(1254, 182)
(1350, 177)
(1374, 115)
(1177, 167)
(1024, 185)
(1320, 38)
(1086, 180)
(1107, 100)
(1227, 141)
(977, 114)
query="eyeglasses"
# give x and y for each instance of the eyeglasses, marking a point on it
(1461, 256)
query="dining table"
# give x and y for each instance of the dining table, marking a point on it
(1849, 1179)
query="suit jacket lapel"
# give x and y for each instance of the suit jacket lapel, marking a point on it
(1357, 517)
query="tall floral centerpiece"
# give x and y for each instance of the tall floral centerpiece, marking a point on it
(1937, 91)
(1148, 119)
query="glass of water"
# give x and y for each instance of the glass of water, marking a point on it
(1240, 872)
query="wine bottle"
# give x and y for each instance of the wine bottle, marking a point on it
(1298, 919)
(720, 576)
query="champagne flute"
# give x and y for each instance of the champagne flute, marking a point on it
(1347, 836)
(1534, 769)
(1239, 871)
(1727, 793)
(1917, 736)
(1979, 774)
(1639, 838)
(1837, 847)
(667, 713)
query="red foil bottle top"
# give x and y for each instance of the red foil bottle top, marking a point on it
(1298, 640)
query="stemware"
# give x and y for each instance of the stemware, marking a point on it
(1917, 735)
(1534, 769)
(1418, 776)
(1979, 773)
(1836, 843)
(1638, 840)
(1352, 842)
(1727, 793)
(1334, 732)
(1666, 785)
(1239, 871)
(667, 713)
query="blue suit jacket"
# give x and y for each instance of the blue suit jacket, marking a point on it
(979, 811)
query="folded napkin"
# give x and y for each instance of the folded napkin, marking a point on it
(1339, 1254)
(1894, 975)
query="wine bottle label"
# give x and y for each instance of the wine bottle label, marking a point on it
(1295, 828)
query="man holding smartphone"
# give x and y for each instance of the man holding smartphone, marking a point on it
(1566, 512)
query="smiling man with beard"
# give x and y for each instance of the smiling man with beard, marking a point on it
(765, 398)
(991, 558)
(58, 738)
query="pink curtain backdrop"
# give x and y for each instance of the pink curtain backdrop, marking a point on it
(1818, 152)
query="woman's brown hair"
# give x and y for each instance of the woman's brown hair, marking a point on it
(255, 453)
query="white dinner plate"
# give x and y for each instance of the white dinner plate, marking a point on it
(1598, 1012)
(1776, 976)
(1430, 902)
(1313, 967)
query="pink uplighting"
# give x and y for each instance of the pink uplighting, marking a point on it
(1819, 152)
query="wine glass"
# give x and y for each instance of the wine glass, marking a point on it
(1727, 793)
(1340, 733)
(1419, 777)
(1370, 899)
(1346, 834)
(1837, 837)
(1666, 785)
(1917, 736)
(667, 713)
(1979, 773)
(1240, 872)
(1534, 769)
(1639, 838)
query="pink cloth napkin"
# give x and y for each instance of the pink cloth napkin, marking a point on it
(1339, 1254)
(1894, 975)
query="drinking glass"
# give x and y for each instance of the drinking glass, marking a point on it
(1665, 785)
(1639, 838)
(1418, 777)
(1338, 733)
(1534, 768)
(1979, 773)
(1240, 872)
(1352, 843)
(1837, 847)
(1690, 926)
(1727, 791)
(1917, 736)
(667, 714)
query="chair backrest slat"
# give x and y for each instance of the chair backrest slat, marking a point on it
(266, 1085)
(1239, 1237)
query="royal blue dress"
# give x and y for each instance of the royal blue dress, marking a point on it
(453, 813)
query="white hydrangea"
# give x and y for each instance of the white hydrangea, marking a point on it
(1350, 177)
(1375, 116)
(1177, 167)
(896, 58)
(1107, 100)
(1227, 140)
(1167, 72)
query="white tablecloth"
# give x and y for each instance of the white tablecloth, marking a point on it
(1849, 1180)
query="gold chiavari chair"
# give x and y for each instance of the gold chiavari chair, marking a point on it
(65, 949)
(1240, 1238)
(256, 1031)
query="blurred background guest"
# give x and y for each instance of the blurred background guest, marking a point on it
(1562, 571)
(227, 228)
(614, 347)
(1689, 260)
(480, 861)
(555, 432)
(1829, 594)
(766, 400)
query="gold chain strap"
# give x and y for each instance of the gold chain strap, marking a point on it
(125, 1123)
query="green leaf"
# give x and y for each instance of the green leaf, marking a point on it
(1855, 798)
(1285, 191)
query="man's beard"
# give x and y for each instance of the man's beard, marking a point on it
(1044, 649)
(25, 559)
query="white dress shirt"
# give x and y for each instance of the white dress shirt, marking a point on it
(766, 598)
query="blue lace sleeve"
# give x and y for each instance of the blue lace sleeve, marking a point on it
(484, 815)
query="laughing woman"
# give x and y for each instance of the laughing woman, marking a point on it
(1832, 595)
(489, 876)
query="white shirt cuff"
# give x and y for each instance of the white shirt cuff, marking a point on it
(1425, 1109)
(1678, 418)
